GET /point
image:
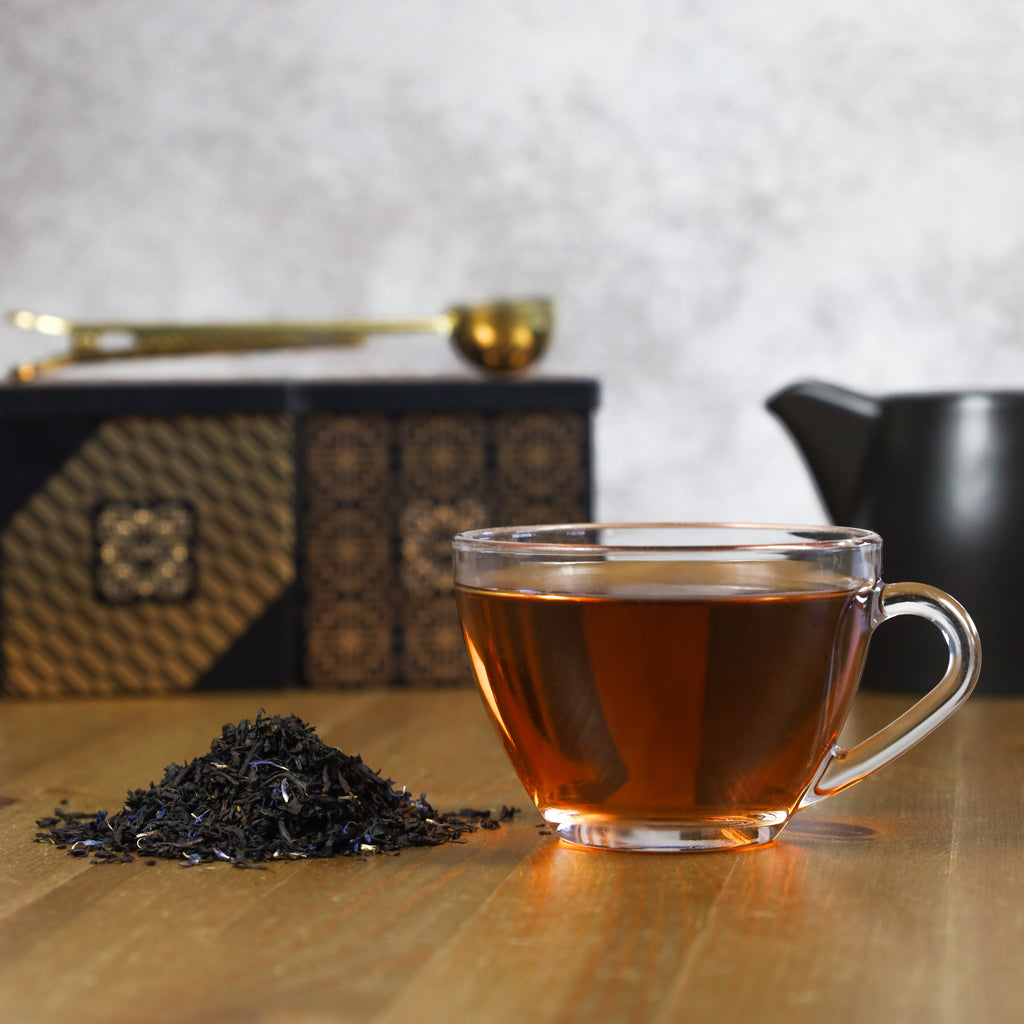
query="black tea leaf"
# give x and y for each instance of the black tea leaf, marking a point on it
(269, 789)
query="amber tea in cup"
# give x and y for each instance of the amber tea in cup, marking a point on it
(682, 687)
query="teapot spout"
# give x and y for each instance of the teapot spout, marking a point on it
(833, 428)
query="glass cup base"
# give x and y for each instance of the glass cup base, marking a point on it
(674, 837)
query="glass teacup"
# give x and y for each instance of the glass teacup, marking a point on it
(682, 687)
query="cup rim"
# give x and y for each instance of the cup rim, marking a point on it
(791, 537)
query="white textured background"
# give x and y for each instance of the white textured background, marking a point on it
(722, 197)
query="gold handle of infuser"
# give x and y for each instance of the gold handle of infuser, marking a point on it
(500, 336)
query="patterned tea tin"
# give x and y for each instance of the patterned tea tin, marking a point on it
(156, 539)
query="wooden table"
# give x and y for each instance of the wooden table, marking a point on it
(900, 900)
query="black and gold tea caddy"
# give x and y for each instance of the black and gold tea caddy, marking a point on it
(191, 536)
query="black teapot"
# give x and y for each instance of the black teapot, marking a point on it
(941, 478)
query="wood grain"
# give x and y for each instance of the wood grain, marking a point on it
(901, 899)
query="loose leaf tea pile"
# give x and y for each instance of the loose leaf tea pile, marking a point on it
(269, 789)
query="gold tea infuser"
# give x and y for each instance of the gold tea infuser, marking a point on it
(501, 336)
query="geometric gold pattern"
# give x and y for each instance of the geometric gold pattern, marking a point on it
(348, 563)
(383, 496)
(147, 554)
(144, 551)
(425, 529)
(541, 470)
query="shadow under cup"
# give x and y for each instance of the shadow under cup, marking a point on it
(672, 687)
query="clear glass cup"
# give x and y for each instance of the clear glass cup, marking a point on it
(682, 686)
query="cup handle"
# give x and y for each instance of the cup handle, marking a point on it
(842, 768)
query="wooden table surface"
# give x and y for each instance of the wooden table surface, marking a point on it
(900, 900)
